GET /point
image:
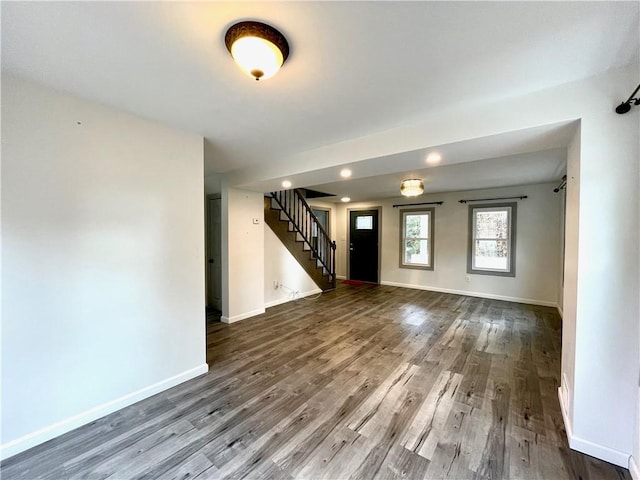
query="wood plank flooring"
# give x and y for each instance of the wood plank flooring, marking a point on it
(364, 382)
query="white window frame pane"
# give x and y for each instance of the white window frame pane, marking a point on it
(429, 239)
(475, 239)
(475, 256)
(417, 264)
(472, 266)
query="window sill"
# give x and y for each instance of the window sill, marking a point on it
(491, 273)
(416, 267)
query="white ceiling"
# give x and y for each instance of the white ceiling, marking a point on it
(355, 67)
(523, 169)
(521, 157)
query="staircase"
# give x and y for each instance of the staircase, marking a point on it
(291, 219)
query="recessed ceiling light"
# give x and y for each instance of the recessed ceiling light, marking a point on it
(345, 173)
(286, 184)
(434, 158)
(345, 199)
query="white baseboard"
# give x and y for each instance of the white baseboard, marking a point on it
(634, 468)
(288, 298)
(30, 440)
(607, 454)
(529, 301)
(599, 451)
(242, 316)
(565, 413)
(341, 277)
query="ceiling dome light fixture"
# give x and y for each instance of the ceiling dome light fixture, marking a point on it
(258, 49)
(412, 187)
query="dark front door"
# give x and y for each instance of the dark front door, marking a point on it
(363, 245)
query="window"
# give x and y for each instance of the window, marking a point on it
(416, 238)
(492, 239)
(364, 222)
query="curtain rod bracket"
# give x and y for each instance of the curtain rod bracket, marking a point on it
(624, 107)
(562, 186)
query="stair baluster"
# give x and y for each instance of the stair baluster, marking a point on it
(298, 212)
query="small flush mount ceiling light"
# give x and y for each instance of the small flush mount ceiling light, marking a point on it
(345, 173)
(286, 184)
(411, 187)
(258, 49)
(345, 199)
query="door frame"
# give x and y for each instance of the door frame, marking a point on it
(360, 209)
(324, 209)
(328, 212)
(207, 252)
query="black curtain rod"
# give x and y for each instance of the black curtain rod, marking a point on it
(487, 199)
(412, 204)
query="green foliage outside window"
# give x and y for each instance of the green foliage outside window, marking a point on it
(413, 230)
(489, 226)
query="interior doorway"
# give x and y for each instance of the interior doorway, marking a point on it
(364, 240)
(322, 214)
(214, 254)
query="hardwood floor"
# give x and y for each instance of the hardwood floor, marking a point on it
(364, 382)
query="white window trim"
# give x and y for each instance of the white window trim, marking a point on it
(430, 240)
(511, 209)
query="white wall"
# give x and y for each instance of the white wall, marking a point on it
(537, 246)
(570, 297)
(102, 261)
(608, 277)
(253, 258)
(242, 254)
(282, 267)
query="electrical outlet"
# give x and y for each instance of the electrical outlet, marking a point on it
(467, 278)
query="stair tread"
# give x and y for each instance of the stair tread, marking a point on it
(298, 246)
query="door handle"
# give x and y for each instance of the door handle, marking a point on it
(211, 260)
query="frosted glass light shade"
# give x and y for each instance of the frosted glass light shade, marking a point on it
(258, 49)
(412, 187)
(257, 57)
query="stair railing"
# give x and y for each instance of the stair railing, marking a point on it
(305, 223)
